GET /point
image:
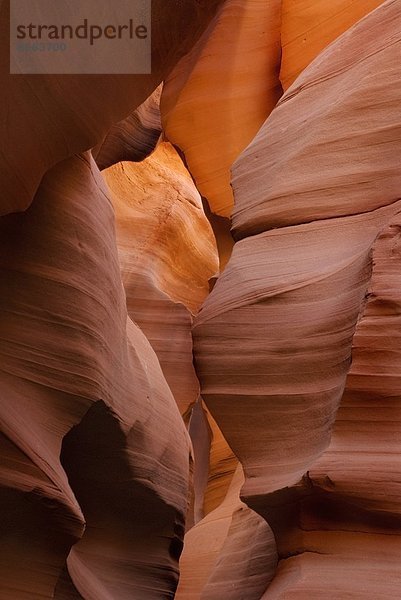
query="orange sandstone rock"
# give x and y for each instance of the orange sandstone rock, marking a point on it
(222, 466)
(309, 26)
(167, 255)
(231, 551)
(218, 96)
(273, 340)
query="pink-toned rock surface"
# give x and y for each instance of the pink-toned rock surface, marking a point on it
(357, 566)
(285, 383)
(273, 340)
(349, 518)
(367, 427)
(291, 486)
(233, 549)
(90, 428)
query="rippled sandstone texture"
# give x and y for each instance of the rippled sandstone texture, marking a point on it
(105, 425)
(100, 285)
(135, 137)
(95, 455)
(167, 256)
(250, 52)
(349, 517)
(232, 544)
(273, 340)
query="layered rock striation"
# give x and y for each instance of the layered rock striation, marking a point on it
(313, 191)
(199, 362)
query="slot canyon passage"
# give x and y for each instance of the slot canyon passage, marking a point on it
(200, 325)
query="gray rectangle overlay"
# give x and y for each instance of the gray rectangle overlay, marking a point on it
(80, 37)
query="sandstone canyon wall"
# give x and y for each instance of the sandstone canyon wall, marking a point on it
(200, 291)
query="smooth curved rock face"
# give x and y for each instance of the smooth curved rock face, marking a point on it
(45, 119)
(273, 340)
(200, 434)
(367, 429)
(308, 27)
(40, 520)
(204, 543)
(167, 256)
(247, 560)
(349, 514)
(357, 566)
(97, 484)
(331, 147)
(218, 96)
(232, 550)
(158, 213)
(278, 329)
(278, 326)
(82, 382)
(222, 467)
(214, 464)
(222, 232)
(134, 138)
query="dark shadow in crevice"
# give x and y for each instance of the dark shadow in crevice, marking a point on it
(130, 529)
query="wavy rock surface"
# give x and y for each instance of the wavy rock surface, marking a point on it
(360, 565)
(288, 379)
(273, 340)
(113, 419)
(237, 59)
(367, 427)
(167, 255)
(354, 142)
(134, 138)
(349, 514)
(97, 483)
(222, 467)
(233, 549)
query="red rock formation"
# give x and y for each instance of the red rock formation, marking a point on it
(273, 340)
(349, 518)
(97, 482)
(80, 384)
(367, 426)
(230, 545)
(287, 380)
